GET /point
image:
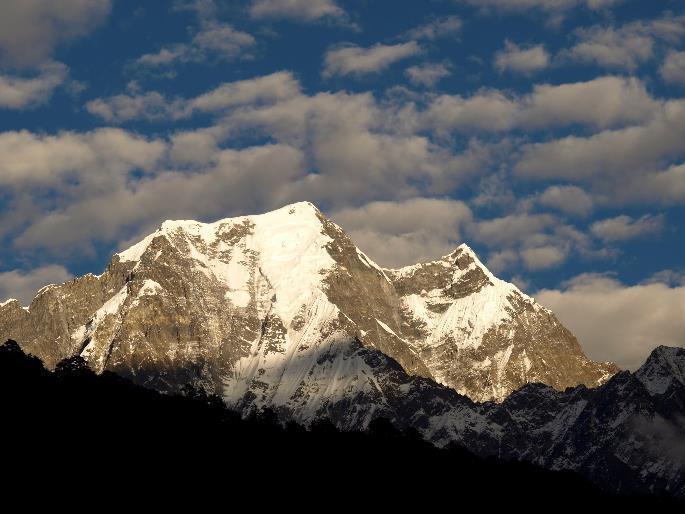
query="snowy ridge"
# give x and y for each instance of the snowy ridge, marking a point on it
(263, 300)
(288, 242)
(469, 318)
(664, 369)
(282, 310)
(110, 311)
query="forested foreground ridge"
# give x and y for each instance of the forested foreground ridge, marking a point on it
(106, 426)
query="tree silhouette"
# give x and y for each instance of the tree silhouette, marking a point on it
(86, 431)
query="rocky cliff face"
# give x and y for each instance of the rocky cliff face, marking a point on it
(283, 310)
(482, 336)
(271, 310)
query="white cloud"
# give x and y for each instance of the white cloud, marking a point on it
(535, 241)
(673, 68)
(427, 74)
(602, 158)
(26, 93)
(511, 229)
(438, 28)
(400, 233)
(545, 5)
(214, 39)
(543, 257)
(665, 187)
(336, 149)
(487, 110)
(237, 181)
(154, 106)
(23, 285)
(611, 48)
(266, 89)
(303, 10)
(624, 227)
(524, 60)
(569, 199)
(198, 147)
(31, 29)
(355, 60)
(599, 103)
(32, 160)
(501, 260)
(148, 106)
(223, 39)
(617, 322)
(625, 47)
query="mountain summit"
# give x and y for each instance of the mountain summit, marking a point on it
(282, 310)
(267, 310)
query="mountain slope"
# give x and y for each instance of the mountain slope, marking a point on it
(177, 437)
(273, 309)
(482, 336)
(281, 310)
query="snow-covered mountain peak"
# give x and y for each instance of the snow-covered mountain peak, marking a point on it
(252, 300)
(664, 366)
(288, 219)
(286, 248)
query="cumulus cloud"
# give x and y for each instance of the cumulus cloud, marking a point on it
(358, 147)
(625, 47)
(631, 153)
(599, 103)
(41, 160)
(551, 6)
(512, 228)
(534, 241)
(214, 39)
(194, 147)
(524, 60)
(624, 227)
(400, 233)
(666, 187)
(302, 10)
(239, 181)
(260, 90)
(673, 68)
(438, 28)
(569, 199)
(427, 74)
(31, 29)
(618, 322)
(25, 93)
(23, 285)
(154, 106)
(355, 60)
(336, 149)
(543, 257)
(150, 106)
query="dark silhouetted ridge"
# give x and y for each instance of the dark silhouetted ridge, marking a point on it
(101, 436)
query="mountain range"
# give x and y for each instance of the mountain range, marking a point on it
(282, 310)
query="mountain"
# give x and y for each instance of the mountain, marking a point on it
(482, 336)
(282, 310)
(251, 307)
(177, 441)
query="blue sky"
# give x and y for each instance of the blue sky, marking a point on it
(547, 134)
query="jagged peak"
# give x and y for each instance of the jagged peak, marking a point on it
(448, 260)
(664, 364)
(667, 353)
(302, 210)
(303, 213)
